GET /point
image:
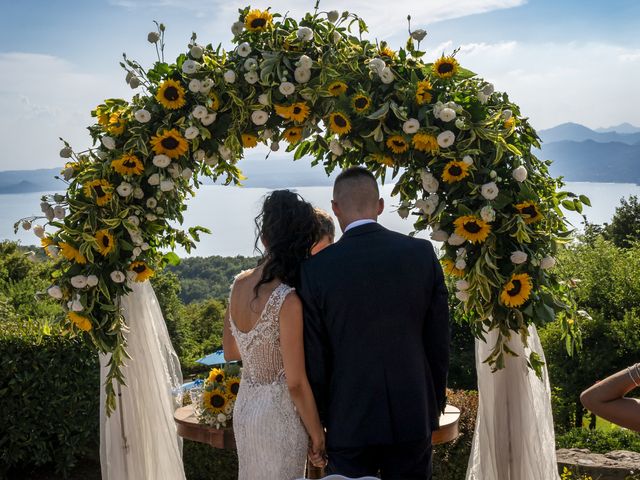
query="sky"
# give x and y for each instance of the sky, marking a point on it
(560, 60)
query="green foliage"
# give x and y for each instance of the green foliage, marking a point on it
(599, 441)
(624, 228)
(201, 327)
(462, 366)
(202, 462)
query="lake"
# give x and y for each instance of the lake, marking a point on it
(229, 212)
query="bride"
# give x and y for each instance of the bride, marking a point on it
(275, 416)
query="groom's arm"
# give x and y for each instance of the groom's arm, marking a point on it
(437, 332)
(316, 344)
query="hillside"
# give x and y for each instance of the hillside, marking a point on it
(579, 133)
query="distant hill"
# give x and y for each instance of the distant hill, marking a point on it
(27, 181)
(622, 128)
(22, 187)
(579, 133)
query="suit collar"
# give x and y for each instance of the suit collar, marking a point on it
(362, 230)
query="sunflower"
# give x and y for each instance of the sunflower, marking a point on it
(171, 95)
(249, 140)
(472, 228)
(233, 386)
(71, 253)
(284, 111)
(383, 159)
(46, 242)
(128, 164)
(509, 123)
(102, 116)
(517, 290)
(423, 92)
(292, 134)
(299, 112)
(101, 189)
(397, 144)
(216, 375)
(361, 103)
(529, 211)
(445, 67)
(450, 268)
(116, 124)
(80, 321)
(387, 52)
(339, 123)
(337, 88)
(142, 271)
(425, 142)
(215, 401)
(170, 143)
(258, 21)
(214, 101)
(454, 171)
(106, 242)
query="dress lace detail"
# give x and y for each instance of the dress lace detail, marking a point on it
(270, 437)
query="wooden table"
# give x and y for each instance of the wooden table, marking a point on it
(189, 428)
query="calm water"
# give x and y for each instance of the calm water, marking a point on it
(229, 211)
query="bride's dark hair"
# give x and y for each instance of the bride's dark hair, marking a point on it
(289, 227)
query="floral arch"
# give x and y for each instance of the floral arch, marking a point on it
(460, 154)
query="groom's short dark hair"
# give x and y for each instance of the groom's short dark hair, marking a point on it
(356, 174)
(358, 186)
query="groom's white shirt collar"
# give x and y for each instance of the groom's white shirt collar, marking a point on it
(357, 223)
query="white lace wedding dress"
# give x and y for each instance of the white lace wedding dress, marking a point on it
(270, 437)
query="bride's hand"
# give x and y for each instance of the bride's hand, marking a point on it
(317, 455)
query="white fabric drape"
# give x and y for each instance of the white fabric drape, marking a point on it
(514, 437)
(139, 440)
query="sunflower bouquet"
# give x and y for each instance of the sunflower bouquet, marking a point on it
(460, 154)
(215, 404)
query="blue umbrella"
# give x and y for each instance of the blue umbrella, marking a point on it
(215, 358)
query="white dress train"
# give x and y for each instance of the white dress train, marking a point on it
(514, 437)
(139, 440)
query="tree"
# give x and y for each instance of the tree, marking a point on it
(625, 225)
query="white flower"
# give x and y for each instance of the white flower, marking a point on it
(403, 211)
(275, 146)
(124, 189)
(212, 161)
(518, 257)
(386, 75)
(199, 155)
(160, 210)
(377, 65)
(191, 133)
(145, 246)
(305, 34)
(134, 82)
(287, 88)
(187, 173)
(237, 28)
(447, 114)
(520, 174)
(467, 159)
(153, 37)
(174, 170)
(493, 174)
(117, 276)
(266, 134)
(44, 207)
(488, 89)
(259, 117)
(196, 51)
(437, 108)
(229, 76)
(411, 126)
(136, 252)
(439, 236)
(305, 62)
(38, 230)
(108, 142)
(547, 262)
(136, 238)
(251, 77)
(138, 193)
(76, 305)
(333, 16)
(302, 75)
(462, 295)
(151, 217)
(167, 185)
(195, 85)
(489, 190)
(483, 98)
(419, 34)
(244, 49)
(59, 212)
(455, 239)
(207, 83)
(446, 139)
(250, 64)
(461, 264)
(488, 214)
(132, 219)
(26, 225)
(461, 252)
(224, 152)
(335, 36)
(66, 152)
(92, 281)
(199, 112)
(67, 173)
(190, 66)
(142, 115)
(55, 292)
(152, 202)
(507, 114)
(335, 147)
(429, 182)
(209, 119)
(154, 179)
(429, 205)
(462, 285)
(460, 125)
(221, 418)
(79, 281)
(101, 154)
(263, 99)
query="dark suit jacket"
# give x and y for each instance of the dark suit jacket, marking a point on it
(376, 334)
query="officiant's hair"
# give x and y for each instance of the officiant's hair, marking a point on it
(289, 227)
(356, 187)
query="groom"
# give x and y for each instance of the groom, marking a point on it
(376, 331)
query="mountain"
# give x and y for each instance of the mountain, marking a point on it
(579, 133)
(26, 181)
(625, 127)
(22, 187)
